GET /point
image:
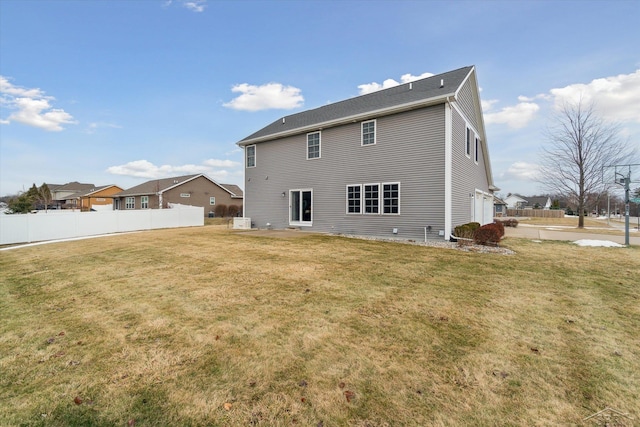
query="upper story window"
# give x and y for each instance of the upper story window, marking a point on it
(144, 202)
(477, 149)
(251, 156)
(468, 143)
(369, 132)
(212, 201)
(313, 145)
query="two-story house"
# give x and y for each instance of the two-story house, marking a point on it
(406, 162)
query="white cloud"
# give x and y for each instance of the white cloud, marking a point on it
(93, 127)
(487, 104)
(193, 5)
(265, 97)
(616, 98)
(32, 107)
(521, 171)
(405, 78)
(516, 117)
(214, 168)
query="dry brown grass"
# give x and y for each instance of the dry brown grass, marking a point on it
(207, 326)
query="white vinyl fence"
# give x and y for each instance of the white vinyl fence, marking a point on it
(53, 225)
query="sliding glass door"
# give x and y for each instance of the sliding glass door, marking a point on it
(300, 207)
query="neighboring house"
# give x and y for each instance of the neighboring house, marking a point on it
(539, 202)
(60, 193)
(408, 162)
(95, 198)
(194, 190)
(499, 207)
(515, 201)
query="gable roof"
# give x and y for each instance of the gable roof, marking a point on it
(158, 186)
(71, 186)
(87, 193)
(419, 93)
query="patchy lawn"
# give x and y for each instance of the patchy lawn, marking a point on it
(210, 326)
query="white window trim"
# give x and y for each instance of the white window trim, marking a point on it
(477, 150)
(347, 199)
(301, 223)
(382, 197)
(467, 142)
(126, 203)
(212, 201)
(319, 145)
(375, 133)
(143, 200)
(246, 156)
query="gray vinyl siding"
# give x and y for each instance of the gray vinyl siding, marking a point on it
(467, 176)
(467, 104)
(409, 150)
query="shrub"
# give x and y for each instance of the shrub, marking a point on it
(487, 235)
(465, 231)
(500, 226)
(511, 222)
(233, 210)
(221, 211)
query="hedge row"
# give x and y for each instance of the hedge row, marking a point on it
(222, 211)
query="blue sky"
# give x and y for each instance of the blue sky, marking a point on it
(123, 91)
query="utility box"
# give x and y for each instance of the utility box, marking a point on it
(242, 223)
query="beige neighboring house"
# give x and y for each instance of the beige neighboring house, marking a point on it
(61, 192)
(97, 198)
(193, 190)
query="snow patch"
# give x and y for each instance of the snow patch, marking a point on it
(604, 243)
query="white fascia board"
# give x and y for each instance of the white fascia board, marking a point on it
(351, 119)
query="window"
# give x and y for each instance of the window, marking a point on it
(212, 201)
(391, 198)
(144, 202)
(354, 199)
(300, 211)
(185, 195)
(369, 132)
(251, 156)
(371, 198)
(313, 145)
(130, 203)
(477, 148)
(468, 143)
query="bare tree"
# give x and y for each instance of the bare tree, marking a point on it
(579, 145)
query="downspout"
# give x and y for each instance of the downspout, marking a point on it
(448, 169)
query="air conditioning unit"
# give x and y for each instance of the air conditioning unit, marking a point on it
(241, 223)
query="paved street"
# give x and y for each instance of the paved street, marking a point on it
(562, 233)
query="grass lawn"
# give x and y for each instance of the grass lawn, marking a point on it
(213, 327)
